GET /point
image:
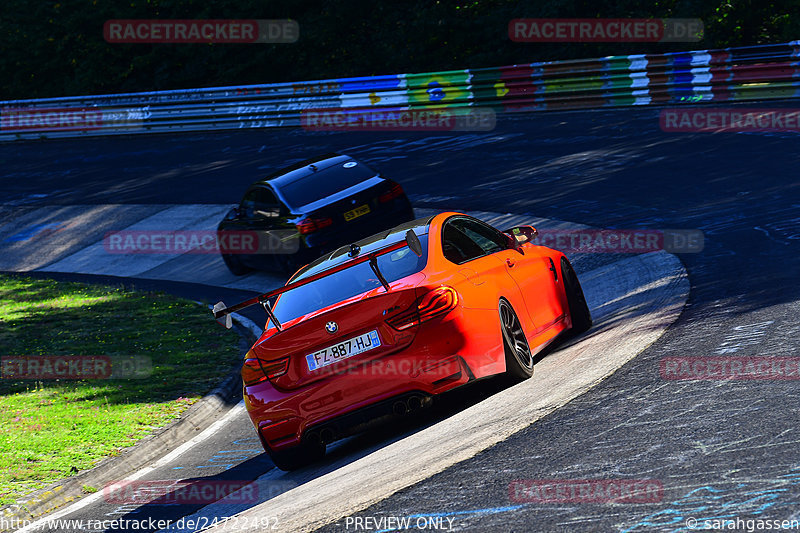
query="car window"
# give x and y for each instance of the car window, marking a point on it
(349, 282)
(324, 183)
(465, 239)
(368, 244)
(261, 202)
(489, 239)
(457, 247)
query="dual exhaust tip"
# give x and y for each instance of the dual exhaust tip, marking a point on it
(400, 407)
(323, 436)
(409, 405)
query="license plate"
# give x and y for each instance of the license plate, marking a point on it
(343, 350)
(357, 212)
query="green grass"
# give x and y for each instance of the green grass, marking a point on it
(52, 429)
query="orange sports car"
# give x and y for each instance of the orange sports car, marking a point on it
(384, 325)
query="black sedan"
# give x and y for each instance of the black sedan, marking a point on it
(307, 209)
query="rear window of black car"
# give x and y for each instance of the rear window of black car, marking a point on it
(350, 282)
(323, 183)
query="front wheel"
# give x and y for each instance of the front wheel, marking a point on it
(519, 360)
(578, 308)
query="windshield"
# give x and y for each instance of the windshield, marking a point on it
(349, 282)
(324, 183)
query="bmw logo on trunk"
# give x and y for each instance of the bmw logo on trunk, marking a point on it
(331, 327)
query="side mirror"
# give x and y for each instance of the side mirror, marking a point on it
(522, 234)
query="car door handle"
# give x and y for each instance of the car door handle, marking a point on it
(510, 263)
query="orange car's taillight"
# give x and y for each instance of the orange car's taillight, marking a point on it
(437, 302)
(255, 371)
(274, 369)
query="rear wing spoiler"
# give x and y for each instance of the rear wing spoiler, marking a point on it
(222, 313)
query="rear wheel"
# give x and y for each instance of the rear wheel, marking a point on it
(519, 360)
(235, 265)
(303, 454)
(289, 264)
(578, 308)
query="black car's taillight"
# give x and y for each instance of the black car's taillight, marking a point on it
(437, 302)
(392, 193)
(311, 224)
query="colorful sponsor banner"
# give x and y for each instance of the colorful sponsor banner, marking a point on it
(371, 84)
(201, 242)
(257, 114)
(586, 491)
(735, 119)
(763, 90)
(439, 88)
(723, 368)
(314, 88)
(509, 85)
(737, 74)
(605, 30)
(200, 31)
(385, 91)
(397, 98)
(565, 85)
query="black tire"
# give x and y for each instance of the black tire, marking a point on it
(519, 360)
(578, 308)
(298, 456)
(235, 265)
(289, 264)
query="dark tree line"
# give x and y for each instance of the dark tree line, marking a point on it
(56, 48)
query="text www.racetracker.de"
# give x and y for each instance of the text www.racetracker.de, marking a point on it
(143, 524)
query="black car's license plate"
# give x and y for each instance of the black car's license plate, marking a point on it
(357, 212)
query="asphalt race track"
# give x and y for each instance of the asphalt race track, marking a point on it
(634, 299)
(719, 449)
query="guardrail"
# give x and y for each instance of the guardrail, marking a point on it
(731, 74)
